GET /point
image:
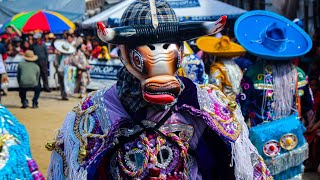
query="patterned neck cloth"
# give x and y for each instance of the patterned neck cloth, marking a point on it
(130, 92)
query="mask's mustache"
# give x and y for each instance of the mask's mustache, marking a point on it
(153, 59)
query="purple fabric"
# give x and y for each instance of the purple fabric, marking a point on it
(188, 113)
(206, 118)
(189, 96)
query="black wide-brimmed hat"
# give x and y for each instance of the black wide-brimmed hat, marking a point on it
(145, 23)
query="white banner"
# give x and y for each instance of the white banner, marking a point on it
(103, 73)
(12, 67)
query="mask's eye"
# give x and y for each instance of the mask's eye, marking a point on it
(165, 46)
(136, 60)
(151, 47)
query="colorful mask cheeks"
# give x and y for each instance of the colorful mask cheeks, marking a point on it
(271, 148)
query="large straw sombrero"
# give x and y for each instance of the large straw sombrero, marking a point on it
(64, 47)
(220, 46)
(29, 56)
(271, 36)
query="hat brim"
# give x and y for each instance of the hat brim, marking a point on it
(58, 45)
(208, 44)
(249, 27)
(33, 58)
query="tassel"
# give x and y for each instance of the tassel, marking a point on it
(242, 150)
(55, 170)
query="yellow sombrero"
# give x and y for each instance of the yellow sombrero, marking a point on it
(220, 46)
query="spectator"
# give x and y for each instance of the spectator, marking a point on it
(11, 51)
(104, 54)
(89, 45)
(48, 41)
(17, 44)
(79, 40)
(5, 39)
(83, 76)
(28, 78)
(2, 64)
(63, 59)
(26, 46)
(41, 51)
(30, 38)
(71, 40)
(12, 31)
(96, 48)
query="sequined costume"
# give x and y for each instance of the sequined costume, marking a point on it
(227, 76)
(274, 91)
(258, 83)
(224, 72)
(153, 124)
(101, 139)
(15, 157)
(194, 68)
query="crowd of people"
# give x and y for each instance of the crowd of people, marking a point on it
(82, 49)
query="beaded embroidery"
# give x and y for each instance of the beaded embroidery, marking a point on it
(138, 157)
(15, 156)
(216, 106)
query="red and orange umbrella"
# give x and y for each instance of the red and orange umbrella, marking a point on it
(41, 20)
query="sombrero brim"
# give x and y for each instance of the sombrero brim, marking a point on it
(58, 45)
(257, 21)
(33, 58)
(208, 44)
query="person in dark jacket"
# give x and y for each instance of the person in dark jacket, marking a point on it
(40, 49)
(29, 78)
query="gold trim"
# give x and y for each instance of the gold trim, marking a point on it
(217, 121)
(262, 86)
(292, 145)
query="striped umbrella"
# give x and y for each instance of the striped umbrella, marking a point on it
(41, 20)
